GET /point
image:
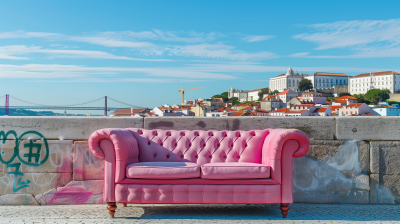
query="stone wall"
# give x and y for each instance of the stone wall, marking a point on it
(46, 160)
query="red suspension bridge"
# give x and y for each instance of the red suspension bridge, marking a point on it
(103, 103)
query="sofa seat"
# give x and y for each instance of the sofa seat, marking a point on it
(163, 170)
(194, 181)
(234, 170)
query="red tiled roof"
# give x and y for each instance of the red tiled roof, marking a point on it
(340, 101)
(281, 110)
(346, 98)
(303, 105)
(355, 105)
(335, 107)
(295, 111)
(128, 111)
(320, 110)
(284, 92)
(385, 107)
(250, 114)
(327, 73)
(367, 114)
(269, 97)
(310, 94)
(327, 102)
(280, 75)
(377, 73)
(246, 108)
(334, 115)
(237, 114)
(220, 109)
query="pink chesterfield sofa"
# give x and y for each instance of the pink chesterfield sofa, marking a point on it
(198, 167)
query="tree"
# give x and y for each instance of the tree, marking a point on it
(344, 94)
(262, 92)
(223, 95)
(305, 84)
(376, 95)
(274, 92)
(234, 100)
(361, 98)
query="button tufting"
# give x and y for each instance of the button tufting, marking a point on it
(196, 133)
(161, 144)
(155, 133)
(155, 155)
(224, 157)
(196, 157)
(245, 145)
(168, 133)
(211, 134)
(181, 156)
(148, 143)
(167, 156)
(182, 133)
(210, 157)
(238, 157)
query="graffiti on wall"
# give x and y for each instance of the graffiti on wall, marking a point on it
(28, 153)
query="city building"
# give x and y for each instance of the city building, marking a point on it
(201, 109)
(323, 112)
(290, 80)
(344, 100)
(317, 98)
(357, 109)
(322, 80)
(270, 103)
(244, 96)
(169, 111)
(280, 112)
(129, 112)
(214, 103)
(360, 84)
(287, 95)
(386, 110)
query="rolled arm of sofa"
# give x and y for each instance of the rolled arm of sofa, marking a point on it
(118, 148)
(279, 148)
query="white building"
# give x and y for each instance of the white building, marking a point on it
(322, 80)
(290, 80)
(361, 83)
(244, 95)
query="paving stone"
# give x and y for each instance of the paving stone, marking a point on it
(149, 213)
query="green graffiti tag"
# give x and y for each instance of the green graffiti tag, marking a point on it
(32, 158)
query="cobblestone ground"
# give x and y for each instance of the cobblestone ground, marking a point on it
(146, 213)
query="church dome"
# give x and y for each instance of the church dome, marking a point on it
(289, 71)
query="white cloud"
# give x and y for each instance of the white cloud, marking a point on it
(254, 38)
(357, 33)
(8, 52)
(219, 51)
(62, 71)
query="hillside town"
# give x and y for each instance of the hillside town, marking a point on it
(295, 94)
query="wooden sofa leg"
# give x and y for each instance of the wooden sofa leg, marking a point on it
(125, 204)
(285, 208)
(111, 208)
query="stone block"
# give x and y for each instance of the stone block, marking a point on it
(76, 192)
(392, 182)
(374, 185)
(367, 128)
(374, 156)
(317, 128)
(364, 156)
(86, 165)
(362, 182)
(32, 183)
(18, 199)
(63, 128)
(56, 157)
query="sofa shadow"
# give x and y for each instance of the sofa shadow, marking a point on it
(259, 212)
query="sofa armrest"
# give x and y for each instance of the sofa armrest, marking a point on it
(118, 148)
(279, 148)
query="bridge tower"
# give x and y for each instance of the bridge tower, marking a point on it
(6, 112)
(105, 106)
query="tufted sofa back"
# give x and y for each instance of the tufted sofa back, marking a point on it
(199, 146)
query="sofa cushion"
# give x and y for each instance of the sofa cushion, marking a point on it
(163, 170)
(234, 171)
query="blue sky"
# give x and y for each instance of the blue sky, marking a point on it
(142, 52)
